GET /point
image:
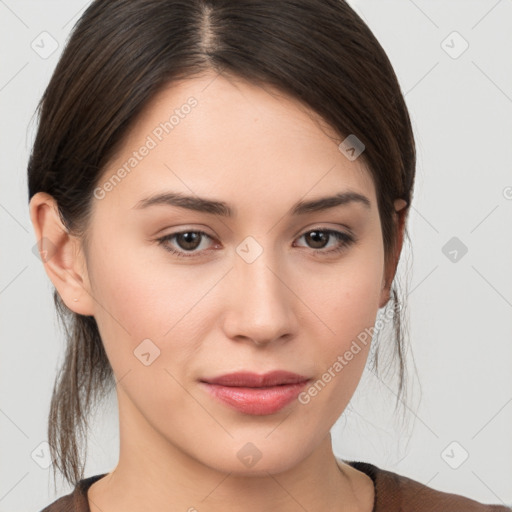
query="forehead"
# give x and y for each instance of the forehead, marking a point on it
(228, 98)
(231, 138)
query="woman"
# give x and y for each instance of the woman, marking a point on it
(220, 191)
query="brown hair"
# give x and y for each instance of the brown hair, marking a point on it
(122, 52)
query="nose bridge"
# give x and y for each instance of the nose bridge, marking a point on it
(256, 269)
(260, 306)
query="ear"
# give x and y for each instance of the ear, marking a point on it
(389, 274)
(61, 255)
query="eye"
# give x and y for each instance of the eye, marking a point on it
(188, 241)
(318, 238)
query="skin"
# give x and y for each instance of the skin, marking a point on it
(211, 314)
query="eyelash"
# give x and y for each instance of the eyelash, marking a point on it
(345, 238)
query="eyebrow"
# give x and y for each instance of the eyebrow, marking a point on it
(221, 208)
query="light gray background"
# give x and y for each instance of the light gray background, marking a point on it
(461, 312)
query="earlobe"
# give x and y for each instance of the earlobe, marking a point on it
(400, 204)
(61, 255)
(385, 294)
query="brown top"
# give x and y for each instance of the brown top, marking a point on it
(393, 493)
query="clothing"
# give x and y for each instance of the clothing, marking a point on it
(393, 493)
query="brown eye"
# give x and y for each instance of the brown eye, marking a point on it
(189, 240)
(186, 241)
(318, 239)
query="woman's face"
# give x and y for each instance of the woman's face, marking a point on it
(265, 288)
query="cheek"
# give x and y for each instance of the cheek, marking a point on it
(347, 303)
(129, 289)
(138, 307)
(138, 296)
(341, 356)
(347, 297)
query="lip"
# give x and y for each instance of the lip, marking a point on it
(254, 380)
(255, 394)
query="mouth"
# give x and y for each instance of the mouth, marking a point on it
(254, 380)
(255, 394)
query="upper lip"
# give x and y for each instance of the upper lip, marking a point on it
(254, 380)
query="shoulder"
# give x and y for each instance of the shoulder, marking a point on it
(76, 500)
(399, 493)
(61, 505)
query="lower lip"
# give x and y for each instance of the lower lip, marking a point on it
(257, 401)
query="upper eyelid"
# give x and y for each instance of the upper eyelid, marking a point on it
(332, 231)
(334, 227)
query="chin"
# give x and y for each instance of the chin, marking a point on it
(250, 461)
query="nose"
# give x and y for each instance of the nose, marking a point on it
(261, 308)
